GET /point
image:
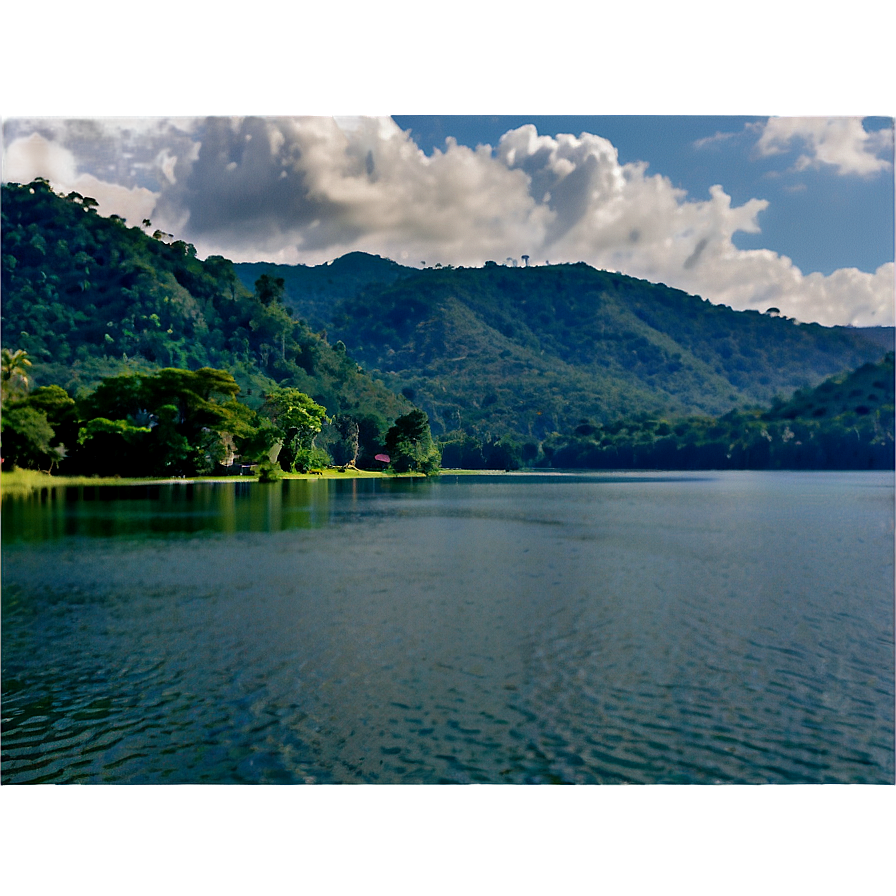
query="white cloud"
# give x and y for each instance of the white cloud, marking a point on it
(717, 139)
(129, 152)
(307, 190)
(133, 204)
(839, 142)
(871, 296)
(34, 156)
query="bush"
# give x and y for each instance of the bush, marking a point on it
(268, 471)
(308, 459)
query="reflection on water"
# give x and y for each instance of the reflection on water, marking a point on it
(597, 629)
(237, 506)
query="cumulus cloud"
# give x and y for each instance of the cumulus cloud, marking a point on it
(309, 189)
(35, 156)
(304, 189)
(133, 204)
(839, 142)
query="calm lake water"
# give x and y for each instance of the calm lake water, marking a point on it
(600, 628)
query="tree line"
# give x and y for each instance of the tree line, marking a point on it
(846, 423)
(178, 422)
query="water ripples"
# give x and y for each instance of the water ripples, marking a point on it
(468, 633)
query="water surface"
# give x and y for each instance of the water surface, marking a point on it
(628, 628)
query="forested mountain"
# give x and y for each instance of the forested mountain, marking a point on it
(89, 297)
(531, 351)
(846, 423)
(510, 364)
(534, 351)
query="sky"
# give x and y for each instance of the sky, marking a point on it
(789, 212)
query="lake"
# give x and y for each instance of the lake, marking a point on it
(519, 628)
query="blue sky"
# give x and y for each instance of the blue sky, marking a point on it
(818, 217)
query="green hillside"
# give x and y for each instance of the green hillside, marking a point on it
(533, 351)
(848, 397)
(845, 423)
(313, 291)
(88, 297)
(501, 356)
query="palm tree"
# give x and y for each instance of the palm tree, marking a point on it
(13, 372)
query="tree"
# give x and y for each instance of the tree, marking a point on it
(173, 422)
(269, 290)
(14, 379)
(61, 413)
(32, 422)
(118, 448)
(410, 445)
(504, 454)
(461, 450)
(296, 419)
(345, 446)
(26, 436)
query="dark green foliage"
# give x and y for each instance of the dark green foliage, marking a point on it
(410, 446)
(463, 451)
(268, 471)
(269, 290)
(372, 430)
(859, 393)
(38, 428)
(296, 420)
(26, 438)
(313, 291)
(531, 351)
(173, 422)
(846, 423)
(342, 439)
(504, 454)
(60, 410)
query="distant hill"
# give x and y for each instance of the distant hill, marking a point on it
(845, 423)
(847, 398)
(530, 351)
(882, 336)
(535, 350)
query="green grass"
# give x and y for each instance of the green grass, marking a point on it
(446, 471)
(337, 474)
(23, 482)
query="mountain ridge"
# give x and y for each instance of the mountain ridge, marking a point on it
(576, 342)
(493, 351)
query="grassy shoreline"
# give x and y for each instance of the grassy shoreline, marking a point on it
(20, 482)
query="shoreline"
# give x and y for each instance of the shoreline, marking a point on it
(26, 481)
